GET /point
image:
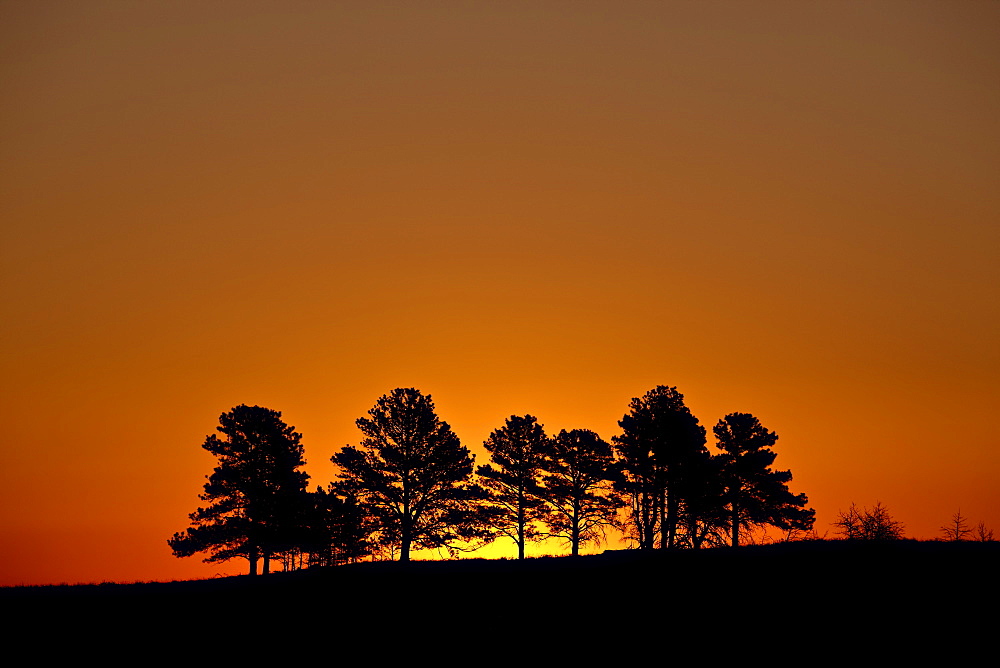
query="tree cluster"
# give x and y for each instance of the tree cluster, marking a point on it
(260, 508)
(410, 485)
(682, 495)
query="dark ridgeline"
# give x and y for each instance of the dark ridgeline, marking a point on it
(516, 502)
(791, 597)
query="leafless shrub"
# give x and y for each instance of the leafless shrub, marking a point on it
(875, 524)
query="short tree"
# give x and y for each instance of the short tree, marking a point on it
(412, 475)
(870, 525)
(579, 474)
(338, 529)
(983, 534)
(517, 450)
(257, 493)
(958, 529)
(754, 494)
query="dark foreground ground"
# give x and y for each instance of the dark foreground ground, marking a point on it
(822, 598)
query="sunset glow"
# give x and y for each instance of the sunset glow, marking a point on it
(785, 209)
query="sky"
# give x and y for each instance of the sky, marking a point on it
(781, 208)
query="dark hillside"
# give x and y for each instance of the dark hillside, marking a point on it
(804, 594)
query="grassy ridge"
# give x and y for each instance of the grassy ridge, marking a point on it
(799, 594)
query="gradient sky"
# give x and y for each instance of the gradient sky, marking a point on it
(783, 208)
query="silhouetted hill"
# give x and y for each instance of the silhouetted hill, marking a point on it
(805, 594)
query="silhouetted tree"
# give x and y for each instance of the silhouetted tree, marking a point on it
(412, 475)
(704, 516)
(258, 494)
(983, 534)
(580, 472)
(661, 444)
(754, 494)
(642, 485)
(517, 449)
(338, 529)
(872, 525)
(958, 529)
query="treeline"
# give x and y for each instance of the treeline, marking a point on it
(411, 484)
(877, 524)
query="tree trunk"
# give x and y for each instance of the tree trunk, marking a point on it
(735, 521)
(664, 524)
(575, 536)
(520, 523)
(652, 515)
(406, 524)
(650, 512)
(405, 538)
(673, 516)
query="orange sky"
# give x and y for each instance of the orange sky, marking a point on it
(789, 209)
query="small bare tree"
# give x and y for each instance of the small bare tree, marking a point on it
(958, 529)
(865, 524)
(983, 535)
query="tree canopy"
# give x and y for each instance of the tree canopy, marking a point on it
(413, 476)
(256, 491)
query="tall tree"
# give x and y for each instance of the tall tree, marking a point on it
(661, 443)
(755, 494)
(518, 450)
(580, 471)
(413, 475)
(257, 493)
